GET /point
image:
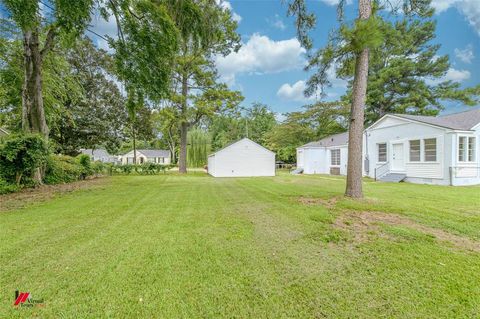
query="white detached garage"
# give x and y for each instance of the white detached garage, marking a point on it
(243, 158)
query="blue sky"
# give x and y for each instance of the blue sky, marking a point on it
(269, 66)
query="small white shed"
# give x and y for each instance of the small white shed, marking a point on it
(243, 158)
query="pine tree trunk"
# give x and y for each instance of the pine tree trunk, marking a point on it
(182, 157)
(355, 135)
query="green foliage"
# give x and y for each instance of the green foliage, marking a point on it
(365, 34)
(61, 87)
(6, 187)
(199, 145)
(86, 165)
(95, 115)
(145, 47)
(21, 155)
(313, 123)
(256, 123)
(147, 168)
(127, 168)
(62, 169)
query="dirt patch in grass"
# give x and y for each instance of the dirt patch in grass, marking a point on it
(42, 193)
(364, 224)
(328, 203)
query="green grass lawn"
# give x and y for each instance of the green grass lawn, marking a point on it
(193, 246)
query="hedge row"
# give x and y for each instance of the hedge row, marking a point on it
(23, 155)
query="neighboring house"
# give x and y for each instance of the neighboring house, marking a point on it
(99, 155)
(243, 158)
(327, 156)
(143, 156)
(420, 149)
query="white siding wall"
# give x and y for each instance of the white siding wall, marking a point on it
(465, 173)
(300, 157)
(314, 161)
(343, 160)
(211, 165)
(402, 132)
(318, 160)
(242, 159)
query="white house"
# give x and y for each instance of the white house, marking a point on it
(99, 155)
(327, 156)
(143, 156)
(243, 158)
(420, 149)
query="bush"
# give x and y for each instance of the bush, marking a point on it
(148, 168)
(98, 168)
(85, 163)
(127, 168)
(21, 156)
(62, 169)
(6, 188)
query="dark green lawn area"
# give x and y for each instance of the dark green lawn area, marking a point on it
(286, 247)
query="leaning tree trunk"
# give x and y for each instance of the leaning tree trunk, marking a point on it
(33, 113)
(355, 135)
(182, 157)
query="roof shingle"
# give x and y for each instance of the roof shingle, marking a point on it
(457, 121)
(332, 140)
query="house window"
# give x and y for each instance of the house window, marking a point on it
(471, 149)
(462, 147)
(415, 151)
(430, 145)
(335, 157)
(382, 152)
(466, 149)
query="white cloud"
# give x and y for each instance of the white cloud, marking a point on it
(293, 92)
(102, 26)
(335, 2)
(228, 6)
(277, 22)
(466, 55)
(457, 75)
(280, 117)
(451, 75)
(261, 55)
(442, 5)
(469, 8)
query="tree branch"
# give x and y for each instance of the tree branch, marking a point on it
(49, 41)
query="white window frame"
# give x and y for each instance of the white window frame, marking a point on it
(339, 157)
(378, 152)
(425, 150)
(467, 150)
(419, 150)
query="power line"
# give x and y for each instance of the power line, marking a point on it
(89, 30)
